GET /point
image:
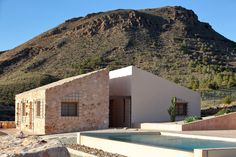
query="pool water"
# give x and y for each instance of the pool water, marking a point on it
(173, 142)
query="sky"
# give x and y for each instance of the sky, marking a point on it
(21, 20)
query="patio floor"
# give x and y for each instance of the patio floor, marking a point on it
(213, 133)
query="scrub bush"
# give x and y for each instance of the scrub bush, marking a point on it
(191, 119)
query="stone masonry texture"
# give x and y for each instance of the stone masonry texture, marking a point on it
(90, 92)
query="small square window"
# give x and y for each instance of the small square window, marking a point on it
(181, 109)
(69, 109)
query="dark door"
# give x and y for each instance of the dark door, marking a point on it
(18, 112)
(120, 112)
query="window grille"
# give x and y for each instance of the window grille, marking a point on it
(69, 109)
(73, 97)
(181, 109)
(23, 109)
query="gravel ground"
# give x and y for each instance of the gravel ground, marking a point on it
(68, 138)
(93, 151)
(70, 141)
(66, 141)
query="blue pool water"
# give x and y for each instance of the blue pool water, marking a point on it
(173, 142)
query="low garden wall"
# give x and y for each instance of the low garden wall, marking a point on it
(223, 122)
(7, 124)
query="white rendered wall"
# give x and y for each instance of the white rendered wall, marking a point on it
(120, 82)
(38, 123)
(127, 71)
(120, 86)
(151, 97)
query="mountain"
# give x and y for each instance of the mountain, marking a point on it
(169, 41)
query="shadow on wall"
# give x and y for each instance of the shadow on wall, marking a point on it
(7, 113)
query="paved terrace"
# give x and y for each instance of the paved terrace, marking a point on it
(211, 133)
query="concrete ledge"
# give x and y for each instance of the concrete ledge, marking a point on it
(161, 126)
(77, 153)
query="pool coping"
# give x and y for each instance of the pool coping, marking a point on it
(213, 138)
(201, 152)
(147, 133)
(204, 137)
(123, 143)
(167, 133)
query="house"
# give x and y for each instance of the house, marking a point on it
(137, 96)
(72, 104)
(102, 99)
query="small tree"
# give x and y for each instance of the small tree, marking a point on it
(172, 109)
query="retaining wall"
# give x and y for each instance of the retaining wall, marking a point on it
(223, 122)
(7, 124)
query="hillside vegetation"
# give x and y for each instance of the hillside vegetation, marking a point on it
(170, 42)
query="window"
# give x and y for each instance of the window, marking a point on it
(18, 108)
(69, 109)
(181, 109)
(23, 109)
(38, 108)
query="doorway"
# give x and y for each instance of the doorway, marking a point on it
(120, 111)
(18, 116)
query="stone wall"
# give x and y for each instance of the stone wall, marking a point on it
(31, 146)
(7, 124)
(93, 104)
(92, 97)
(23, 122)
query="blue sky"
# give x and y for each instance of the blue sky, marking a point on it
(21, 20)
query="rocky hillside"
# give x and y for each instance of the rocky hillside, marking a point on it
(169, 41)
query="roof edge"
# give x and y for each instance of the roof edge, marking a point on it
(62, 81)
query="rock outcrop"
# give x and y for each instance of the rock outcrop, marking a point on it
(31, 146)
(170, 42)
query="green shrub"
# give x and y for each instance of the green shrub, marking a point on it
(227, 100)
(191, 119)
(172, 109)
(213, 86)
(223, 111)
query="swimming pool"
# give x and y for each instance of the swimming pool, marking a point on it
(170, 142)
